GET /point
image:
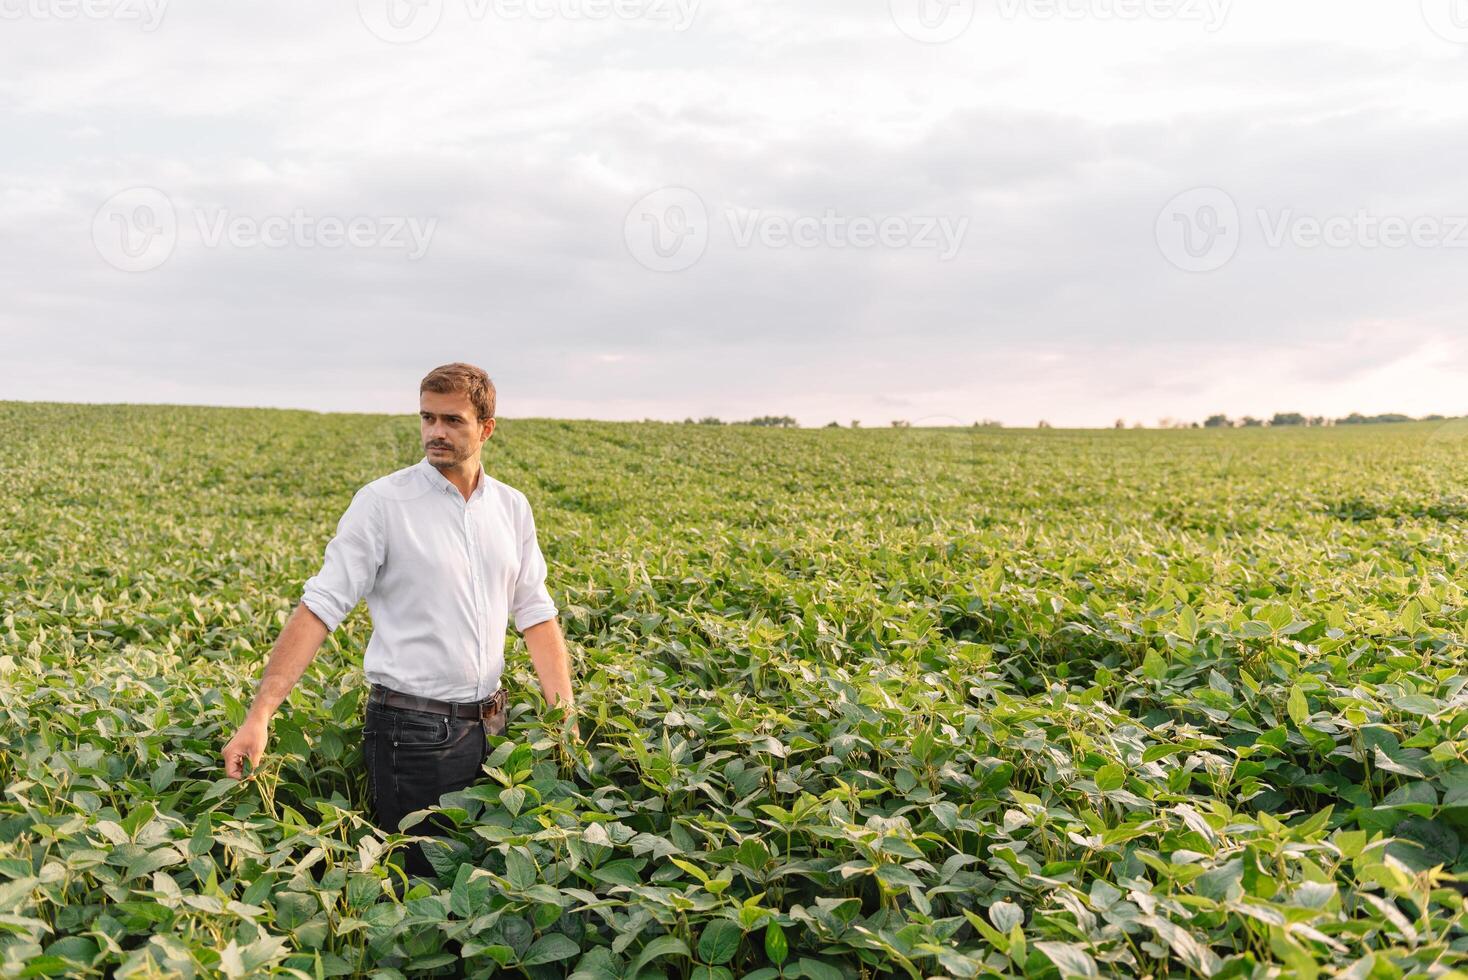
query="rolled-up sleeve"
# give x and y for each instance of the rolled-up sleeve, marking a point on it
(353, 557)
(531, 603)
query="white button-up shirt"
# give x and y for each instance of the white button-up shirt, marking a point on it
(441, 575)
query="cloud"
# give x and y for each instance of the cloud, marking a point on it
(526, 143)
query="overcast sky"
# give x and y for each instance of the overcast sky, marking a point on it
(937, 210)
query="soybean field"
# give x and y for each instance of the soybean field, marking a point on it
(855, 704)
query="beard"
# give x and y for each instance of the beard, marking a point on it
(445, 458)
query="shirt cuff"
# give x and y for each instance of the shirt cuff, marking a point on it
(326, 610)
(533, 616)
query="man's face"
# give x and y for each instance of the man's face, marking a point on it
(452, 431)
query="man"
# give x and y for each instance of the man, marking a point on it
(445, 556)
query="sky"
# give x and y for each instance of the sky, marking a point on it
(931, 210)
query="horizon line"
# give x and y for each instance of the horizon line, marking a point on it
(1133, 425)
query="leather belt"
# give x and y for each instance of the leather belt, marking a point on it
(484, 710)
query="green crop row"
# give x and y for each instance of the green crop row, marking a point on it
(968, 703)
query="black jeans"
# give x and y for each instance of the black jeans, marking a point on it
(413, 758)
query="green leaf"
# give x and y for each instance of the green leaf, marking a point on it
(659, 946)
(719, 941)
(702, 972)
(520, 870)
(818, 970)
(548, 949)
(1224, 883)
(623, 871)
(1069, 959)
(896, 876)
(500, 755)
(1187, 622)
(162, 777)
(1418, 704)
(1017, 947)
(513, 799)
(597, 964)
(45, 966)
(1006, 915)
(1155, 752)
(775, 946)
(202, 840)
(1422, 844)
(293, 909)
(1298, 707)
(1411, 618)
(1186, 946)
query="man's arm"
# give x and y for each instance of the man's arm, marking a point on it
(353, 557)
(534, 613)
(294, 649)
(552, 663)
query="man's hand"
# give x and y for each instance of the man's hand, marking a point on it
(552, 663)
(571, 722)
(248, 743)
(293, 650)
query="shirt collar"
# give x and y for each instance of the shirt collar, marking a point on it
(441, 483)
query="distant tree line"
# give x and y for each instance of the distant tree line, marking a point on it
(1218, 421)
(1295, 418)
(787, 422)
(767, 421)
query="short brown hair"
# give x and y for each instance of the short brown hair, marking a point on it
(448, 379)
